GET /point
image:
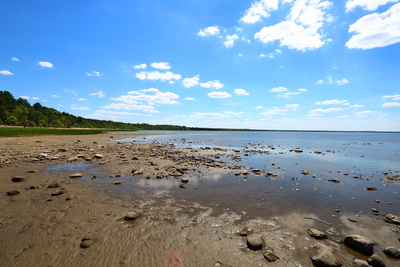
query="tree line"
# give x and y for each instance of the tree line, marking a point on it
(19, 112)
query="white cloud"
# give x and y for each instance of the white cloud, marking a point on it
(292, 106)
(140, 66)
(6, 72)
(240, 92)
(278, 89)
(369, 5)
(190, 82)
(357, 106)
(25, 97)
(161, 65)
(302, 29)
(111, 112)
(74, 107)
(393, 97)
(212, 84)
(45, 64)
(320, 82)
(123, 106)
(94, 73)
(258, 10)
(259, 107)
(392, 104)
(14, 59)
(290, 93)
(215, 115)
(328, 110)
(376, 30)
(99, 94)
(189, 98)
(54, 95)
(273, 111)
(230, 40)
(219, 95)
(35, 98)
(341, 82)
(365, 113)
(154, 97)
(332, 102)
(209, 31)
(156, 75)
(82, 99)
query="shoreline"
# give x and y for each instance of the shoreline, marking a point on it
(39, 228)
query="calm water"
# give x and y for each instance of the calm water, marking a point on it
(356, 159)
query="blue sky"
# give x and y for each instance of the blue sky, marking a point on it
(266, 64)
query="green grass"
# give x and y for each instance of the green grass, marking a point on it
(19, 131)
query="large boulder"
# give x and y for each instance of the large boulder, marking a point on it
(325, 258)
(360, 244)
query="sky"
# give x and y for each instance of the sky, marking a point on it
(264, 64)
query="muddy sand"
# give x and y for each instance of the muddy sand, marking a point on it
(64, 217)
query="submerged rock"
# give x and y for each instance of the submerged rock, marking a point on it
(76, 175)
(376, 261)
(360, 244)
(270, 256)
(86, 243)
(360, 263)
(392, 252)
(305, 172)
(392, 218)
(325, 258)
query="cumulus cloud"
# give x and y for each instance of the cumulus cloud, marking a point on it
(54, 95)
(259, 107)
(365, 113)
(320, 82)
(357, 106)
(332, 102)
(328, 110)
(301, 30)
(94, 73)
(124, 106)
(230, 40)
(369, 5)
(189, 98)
(376, 30)
(82, 99)
(219, 95)
(140, 66)
(259, 10)
(74, 107)
(45, 64)
(292, 106)
(161, 65)
(190, 82)
(6, 72)
(341, 82)
(240, 92)
(209, 31)
(392, 97)
(156, 75)
(392, 104)
(212, 84)
(99, 94)
(278, 89)
(14, 59)
(274, 111)
(151, 95)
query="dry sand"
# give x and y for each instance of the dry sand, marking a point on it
(41, 229)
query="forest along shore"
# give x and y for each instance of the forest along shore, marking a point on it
(59, 219)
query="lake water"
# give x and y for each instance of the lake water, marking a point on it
(357, 160)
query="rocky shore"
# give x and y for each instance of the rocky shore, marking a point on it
(69, 217)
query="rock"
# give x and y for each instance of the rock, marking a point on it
(12, 193)
(244, 232)
(336, 181)
(117, 182)
(316, 233)
(185, 180)
(371, 188)
(137, 172)
(17, 179)
(360, 244)
(360, 263)
(86, 243)
(305, 172)
(57, 193)
(392, 252)
(254, 242)
(376, 261)
(392, 218)
(76, 175)
(98, 156)
(325, 258)
(54, 185)
(270, 256)
(182, 186)
(131, 216)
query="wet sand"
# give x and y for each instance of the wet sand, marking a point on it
(42, 226)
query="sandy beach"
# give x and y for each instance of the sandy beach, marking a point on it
(56, 218)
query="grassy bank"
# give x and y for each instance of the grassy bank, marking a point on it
(20, 131)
